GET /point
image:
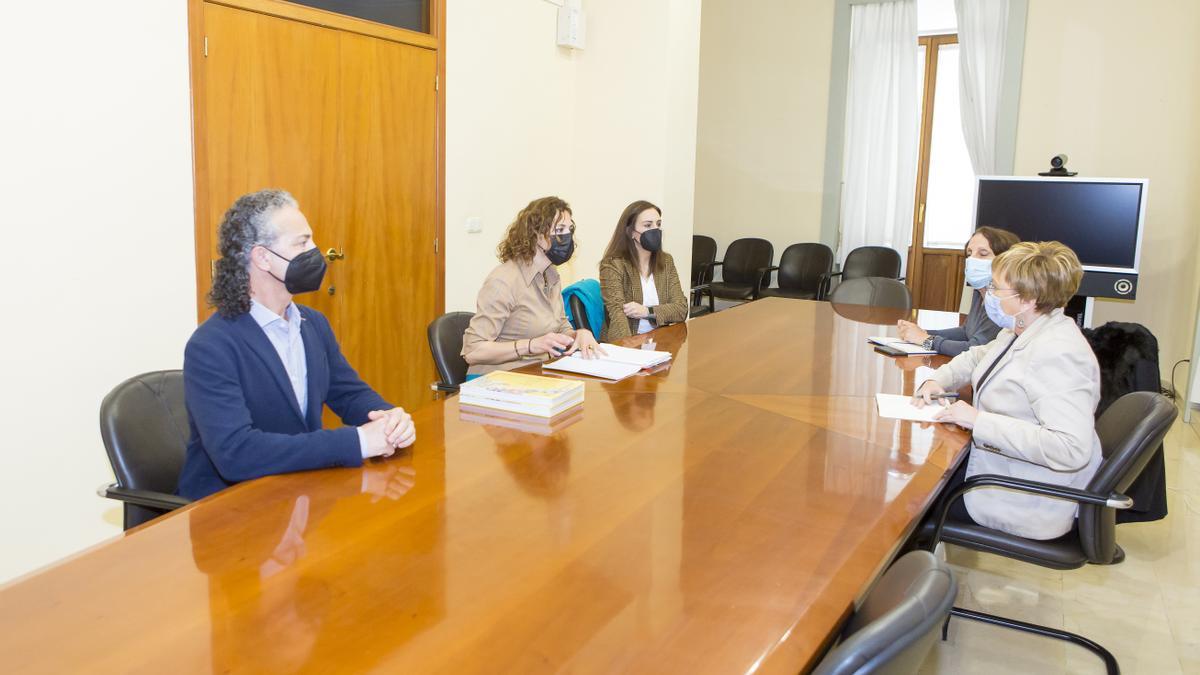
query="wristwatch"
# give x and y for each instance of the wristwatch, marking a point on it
(928, 343)
(650, 312)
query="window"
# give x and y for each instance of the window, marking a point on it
(945, 177)
(407, 14)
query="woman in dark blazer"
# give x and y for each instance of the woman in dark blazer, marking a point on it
(982, 324)
(638, 279)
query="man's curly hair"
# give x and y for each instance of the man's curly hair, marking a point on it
(246, 224)
(520, 240)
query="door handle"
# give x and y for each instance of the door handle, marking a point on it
(334, 254)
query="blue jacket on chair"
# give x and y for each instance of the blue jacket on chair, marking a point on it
(588, 291)
(242, 410)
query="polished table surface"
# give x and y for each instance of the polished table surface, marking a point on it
(720, 515)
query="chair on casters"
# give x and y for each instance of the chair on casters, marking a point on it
(746, 263)
(445, 335)
(866, 261)
(1130, 431)
(802, 270)
(898, 622)
(873, 291)
(144, 426)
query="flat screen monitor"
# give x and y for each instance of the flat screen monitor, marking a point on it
(1099, 218)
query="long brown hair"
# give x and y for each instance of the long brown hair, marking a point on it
(537, 218)
(999, 240)
(622, 245)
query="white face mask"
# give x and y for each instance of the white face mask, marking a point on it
(991, 305)
(978, 272)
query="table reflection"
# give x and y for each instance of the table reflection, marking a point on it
(280, 599)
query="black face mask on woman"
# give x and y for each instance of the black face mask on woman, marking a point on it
(561, 248)
(652, 240)
(304, 272)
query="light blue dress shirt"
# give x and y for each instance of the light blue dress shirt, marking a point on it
(284, 334)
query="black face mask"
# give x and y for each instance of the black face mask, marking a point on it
(561, 248)
(304, 272)
(652, 240)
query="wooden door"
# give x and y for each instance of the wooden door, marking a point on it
(388, 284)
(348, 123)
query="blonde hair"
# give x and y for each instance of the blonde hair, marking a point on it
(1046, 272)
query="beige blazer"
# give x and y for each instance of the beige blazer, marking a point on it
(620, 283)
(1036, 421)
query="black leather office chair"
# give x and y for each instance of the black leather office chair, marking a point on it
(1130, 432)
(144, 426)
(704, 253)
(898, 622)
(873, 291)
(802, 268)
(579, 317)
(867, 261)
(746, 263)
(445, 335)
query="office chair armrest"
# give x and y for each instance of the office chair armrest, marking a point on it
(150, 498)
(764, 275)
(1113, 500)
(824, 283)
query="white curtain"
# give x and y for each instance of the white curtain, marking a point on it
(982, 32)
(879, 171)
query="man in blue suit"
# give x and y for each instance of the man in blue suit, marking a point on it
(257, 373)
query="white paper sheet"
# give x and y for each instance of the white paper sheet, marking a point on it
(900, 407)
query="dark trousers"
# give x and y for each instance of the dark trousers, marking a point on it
(958, 510)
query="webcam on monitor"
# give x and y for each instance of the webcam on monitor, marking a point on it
(1058, 167)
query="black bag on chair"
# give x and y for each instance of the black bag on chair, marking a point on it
(1128, 357)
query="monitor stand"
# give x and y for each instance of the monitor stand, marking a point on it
(1081, 309)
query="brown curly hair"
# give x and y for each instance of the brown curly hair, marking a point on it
(536, 219)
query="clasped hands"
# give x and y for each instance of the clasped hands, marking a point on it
(635, 310)
(559, 344)
(960, 412)
(388, 431)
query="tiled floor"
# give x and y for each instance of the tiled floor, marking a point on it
(1146, 610)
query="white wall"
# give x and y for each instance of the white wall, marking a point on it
(764, 89)
(1116, 86)
(600, 127)
(96, 182)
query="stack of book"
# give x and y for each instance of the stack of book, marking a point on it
(521, 393)
(617, 363)
(543, 426)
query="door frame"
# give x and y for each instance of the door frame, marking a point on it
(917, 249)
(435, 40)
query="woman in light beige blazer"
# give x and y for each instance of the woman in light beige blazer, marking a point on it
(1036, 387)
(638, 280)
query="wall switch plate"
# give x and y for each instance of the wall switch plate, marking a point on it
(474, 225)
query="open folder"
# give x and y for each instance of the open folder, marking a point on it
(900, 345)
(617, 363)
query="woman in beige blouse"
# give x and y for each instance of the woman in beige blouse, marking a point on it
(638, 279)
(519, 317)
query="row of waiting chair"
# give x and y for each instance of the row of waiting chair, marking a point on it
(805, 271)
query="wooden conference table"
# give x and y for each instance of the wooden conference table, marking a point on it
(722, 515)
